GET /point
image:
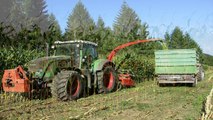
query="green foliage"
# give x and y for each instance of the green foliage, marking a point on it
(19, 47)
(11, 57)
(54, 31)
(127, 26)
(178, 40)
(142, 66)
(28, 25)
(208, 59)
(27, 13)
(31, 28)
(101, 32)
(29, 39)
(4, 35)
(5, 7)
(103, 36)
(80, 25)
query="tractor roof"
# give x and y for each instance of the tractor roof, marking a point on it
(75, 41)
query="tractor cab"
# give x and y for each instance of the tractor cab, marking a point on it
(81, 52)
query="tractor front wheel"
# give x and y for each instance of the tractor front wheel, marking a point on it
(107, 80)
(67, 85)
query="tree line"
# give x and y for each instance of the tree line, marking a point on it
(27, 25)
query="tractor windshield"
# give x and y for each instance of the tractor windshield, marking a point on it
(67, 50)
(72, 50)
(90, 51)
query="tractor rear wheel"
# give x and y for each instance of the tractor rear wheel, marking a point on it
(67, 85)
(107, 80)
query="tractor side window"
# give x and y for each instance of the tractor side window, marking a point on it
(62, 50)
(89, 50)
(94, 53)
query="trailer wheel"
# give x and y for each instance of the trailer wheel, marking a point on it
(195, 83)
(107, 80)
(67, 85)
(200, 74)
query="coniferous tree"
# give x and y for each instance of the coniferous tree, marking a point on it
(128, 25)
(54, 31)
(178, 40)
(102, 32)
(5, 7)
(35, 14)
(103, 36)
(80, 25)
(100, 23)
(29, 13)
(17, 16)
(4, 37)
(30, 21)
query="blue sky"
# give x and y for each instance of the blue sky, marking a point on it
(192, 16)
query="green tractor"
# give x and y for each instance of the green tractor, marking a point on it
(72, 72)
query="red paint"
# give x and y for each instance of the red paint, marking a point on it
(111, 79)
(113, 52)
(18, 81)
(126, 79)
(108, 80)
(76, 87)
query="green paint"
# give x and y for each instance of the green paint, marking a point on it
(98, 64)
(49, 74)
(178, 61)
(45, 66)
(81, 57)
(176, 70)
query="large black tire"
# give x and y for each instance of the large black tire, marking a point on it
(107, 80)
(200, 74)
(67, 85)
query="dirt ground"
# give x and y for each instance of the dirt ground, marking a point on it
(146, 101)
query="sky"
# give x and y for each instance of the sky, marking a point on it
(192, 16)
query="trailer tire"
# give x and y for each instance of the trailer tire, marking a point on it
(195, 83)
(107, 80)
(200, 74)
(67, 85)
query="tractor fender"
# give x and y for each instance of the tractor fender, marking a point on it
(99, 65)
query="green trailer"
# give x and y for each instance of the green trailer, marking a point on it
(178, 66)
